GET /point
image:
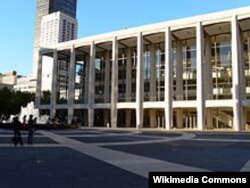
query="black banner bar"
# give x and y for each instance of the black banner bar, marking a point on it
(172, 179)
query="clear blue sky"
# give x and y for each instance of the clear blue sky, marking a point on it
(17, 20)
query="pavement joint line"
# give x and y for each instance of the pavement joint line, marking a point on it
(184, 136)
(246, 167)
(112, 135)
(29, 145)
(99, 135)
(23, 136)
(137, 142)
(220, 140)
(136, 164)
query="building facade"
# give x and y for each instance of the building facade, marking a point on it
(13, 81)
(43, 8)
(55, 28)
(10, 78)
(191, 73)
(25, 84)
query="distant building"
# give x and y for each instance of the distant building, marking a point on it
(9, 78)
(6, 86)
(26, 84)
(43, 8)
(13, 81)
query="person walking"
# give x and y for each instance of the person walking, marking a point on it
(31, 129)
(24, 122)
(17, 133)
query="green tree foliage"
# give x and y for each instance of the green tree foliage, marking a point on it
(11, 101)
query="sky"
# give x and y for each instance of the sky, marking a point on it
(17, 21)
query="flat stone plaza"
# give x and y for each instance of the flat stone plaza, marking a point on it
(116, 158)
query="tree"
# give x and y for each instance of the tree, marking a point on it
(11, 101)
(5, 97)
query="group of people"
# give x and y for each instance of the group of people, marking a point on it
(76, 123)
(17, 126)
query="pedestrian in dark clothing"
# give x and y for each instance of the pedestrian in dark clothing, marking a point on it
(31, 129)
(24, 122)
(17, 134)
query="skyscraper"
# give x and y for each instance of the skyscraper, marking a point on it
(45, 7)
(55, 28)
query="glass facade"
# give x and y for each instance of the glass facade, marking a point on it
(221, 66)
(189, 69)
(102, 76)
(184, 65)
(246, 60)
(160, 71)
(154, 67)
(66, 6)
(122, 64)
(221, 118)
(127, 65)
(62, 86)
(147, 73)
(80, 79)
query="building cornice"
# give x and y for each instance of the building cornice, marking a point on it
(177, 24)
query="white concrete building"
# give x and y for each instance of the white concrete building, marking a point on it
(191, 73)
(26, 84)
(55, 28)
(16, 82)
(10, 78)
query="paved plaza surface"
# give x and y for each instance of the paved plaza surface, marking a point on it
(115, 158)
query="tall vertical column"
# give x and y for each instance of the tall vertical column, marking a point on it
(91, 88)
(153, 119)
(209, 117)
(168, 80)
(179, 71)
(71, 84)
(200, 77)
(114, 87)
(179, 118)
(107, 78)
(152, 89)
(54, 85)
(236, 66)
(139, 82)
(39, 81)
(129, 76)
